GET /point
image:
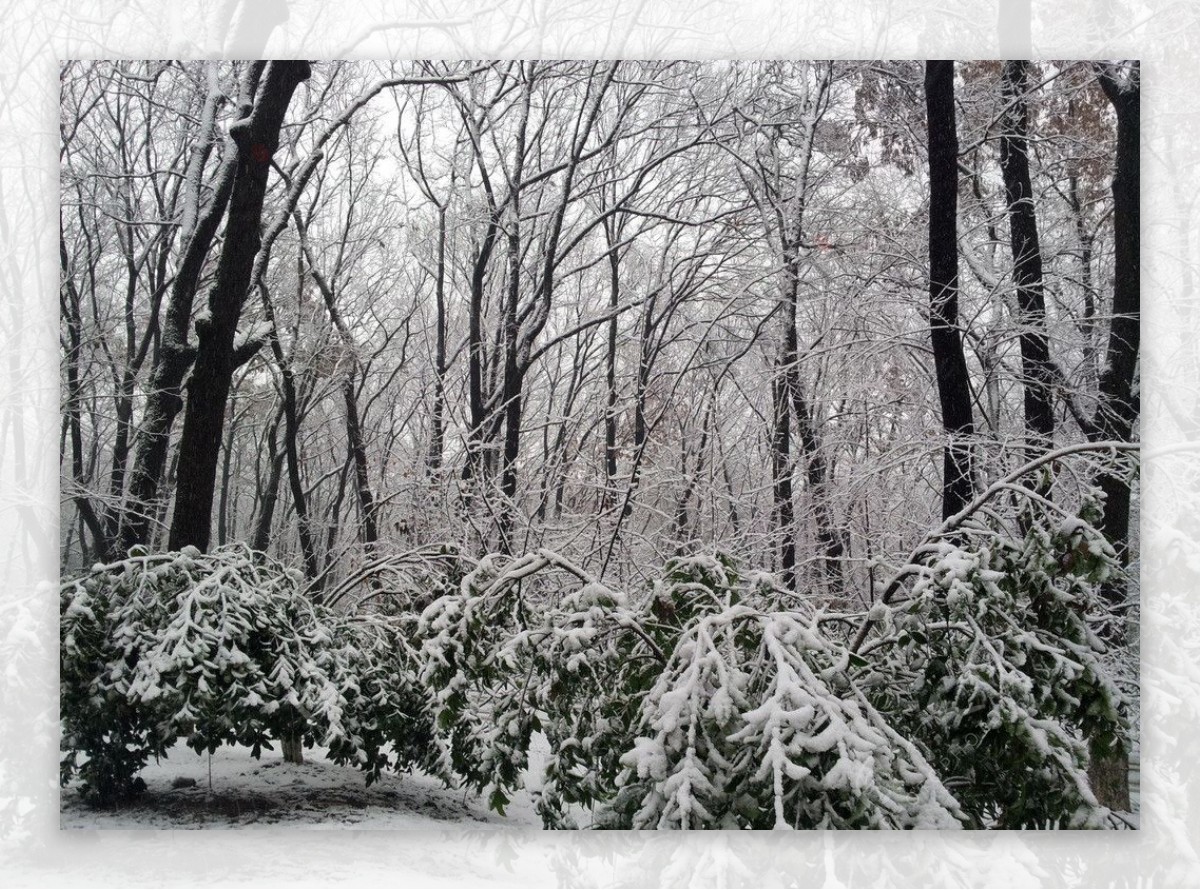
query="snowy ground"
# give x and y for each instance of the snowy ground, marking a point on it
(267, 793)
(318, 794)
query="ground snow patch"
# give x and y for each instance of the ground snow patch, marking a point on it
(267, 793)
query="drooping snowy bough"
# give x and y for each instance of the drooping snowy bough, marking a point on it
(973, 694)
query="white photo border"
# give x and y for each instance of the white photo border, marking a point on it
(38, 35)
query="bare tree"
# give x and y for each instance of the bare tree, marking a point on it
(256, 137)
(1119, 401)
(626, 310)
(1036, 367)
(951, 367)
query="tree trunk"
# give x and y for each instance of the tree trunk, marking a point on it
(226, 471)
(256, 138)
(951, 366)
(1119, 400)
(610, 368)
(791, 238)
(362, 481)
(477, 355)
(781, 478)
(1087, 327)
(291, 430)
(1036, 368)
(120, 456)
(437, 422)
(514, 374)
(164, 398)
(513, 386)
(816, 475)
(641, 430)
(683, 515)
(354, 436)
(69, 298)
(270, 494)
(293, 747)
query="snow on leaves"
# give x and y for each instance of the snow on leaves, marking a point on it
(976, 700)
(701, 704)
(223, 649)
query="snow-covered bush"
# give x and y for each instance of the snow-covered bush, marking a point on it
(756, 723)
(575, 668)
(223, 648)
(973, 693)
(974, 696)
(692, 710)
(990, 662)
(604, 656)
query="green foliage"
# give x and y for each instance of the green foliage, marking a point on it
(992, 665)
(223, 648)
(576, 670)
(698, 702)
(754, 723)
(691, 710)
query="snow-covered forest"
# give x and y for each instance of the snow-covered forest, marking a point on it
(656, 444)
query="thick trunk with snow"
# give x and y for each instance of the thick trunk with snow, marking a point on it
(256, 137)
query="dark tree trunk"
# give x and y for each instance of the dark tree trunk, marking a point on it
(362, 480)
(514, 374)
(954, 391)
(438, 433)
(683, 514)
(523, 328)
(816, 476)
(477, 355)
(610, 368)
(1036, 369)
(256, 137)
(791, 241)
(69, 298)
(511, 393)
(291, 429)
(732, 495)
(291, 452)
(555, 454)
(354, 435)
(125, 388)
(270, 493)
(641, 430)
(333, 514)
(226, 472)
(164, 398)
(293, 747)
(512, 444)
(1087, 326)
(815, 468)
(1119, 401)
(120, 457)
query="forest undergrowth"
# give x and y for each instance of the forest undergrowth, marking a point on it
(975, 690)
